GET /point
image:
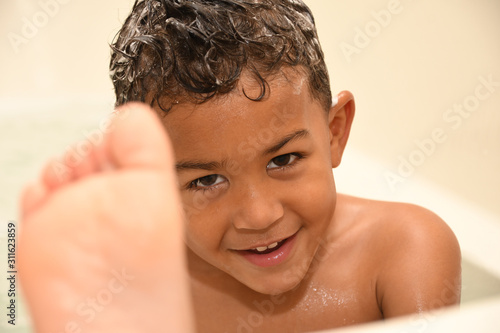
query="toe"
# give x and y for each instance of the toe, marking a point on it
(139, 139)
(31, 198)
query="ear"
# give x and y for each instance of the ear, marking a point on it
(340, 120)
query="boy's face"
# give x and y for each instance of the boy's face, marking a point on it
(254, 175)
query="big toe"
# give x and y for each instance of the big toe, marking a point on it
(138, 139)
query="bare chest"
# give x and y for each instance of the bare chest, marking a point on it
(314, 308)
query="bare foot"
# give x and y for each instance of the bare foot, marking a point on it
(101, 246)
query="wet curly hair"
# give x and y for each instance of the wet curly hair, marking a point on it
(174, 51)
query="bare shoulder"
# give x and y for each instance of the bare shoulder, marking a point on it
(416, 254)
(395, 223)
(398, 220)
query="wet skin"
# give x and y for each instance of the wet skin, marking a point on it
(252, 174)
(350, 260)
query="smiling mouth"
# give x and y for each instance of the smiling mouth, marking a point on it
(267, 249)
(270, 255)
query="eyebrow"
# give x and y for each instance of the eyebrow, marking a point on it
(200, 165)
(287, 139)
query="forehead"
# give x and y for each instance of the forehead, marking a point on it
(223, 123)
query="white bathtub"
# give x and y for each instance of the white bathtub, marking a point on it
(34, 131)
(480, 317)
(478, 232)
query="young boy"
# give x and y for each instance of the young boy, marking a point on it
(242, 90)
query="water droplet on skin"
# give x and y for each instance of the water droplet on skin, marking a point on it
(322, 298)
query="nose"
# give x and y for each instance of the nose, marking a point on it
(257, 207)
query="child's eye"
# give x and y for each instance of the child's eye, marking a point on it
(283, 161)
(207, 181)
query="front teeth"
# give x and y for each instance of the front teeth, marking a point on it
(264, 248)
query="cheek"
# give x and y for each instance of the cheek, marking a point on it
(205, 227)
(315, 197)
(201, 241)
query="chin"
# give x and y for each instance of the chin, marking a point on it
(273, 290)
(277, 283)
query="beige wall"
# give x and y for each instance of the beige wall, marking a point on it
(63, 49)
(407, 77)
(407, 74)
